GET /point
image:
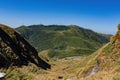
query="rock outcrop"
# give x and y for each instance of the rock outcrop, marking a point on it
(15, 50)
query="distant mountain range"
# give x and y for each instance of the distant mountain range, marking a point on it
(62, 41)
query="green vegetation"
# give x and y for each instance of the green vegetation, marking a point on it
(63, 40)
(55, 42)
(108, 60)
(69, 53)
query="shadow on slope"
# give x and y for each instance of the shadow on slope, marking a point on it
(20, 52)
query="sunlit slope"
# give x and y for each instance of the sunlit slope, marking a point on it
(106, 61)
(62, 41)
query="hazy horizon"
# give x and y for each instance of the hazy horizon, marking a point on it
(100, 16)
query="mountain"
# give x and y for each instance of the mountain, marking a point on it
(108, 36)
(104, 64)
(16, 51)
(61, 41)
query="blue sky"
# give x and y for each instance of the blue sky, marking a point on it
(99, 15)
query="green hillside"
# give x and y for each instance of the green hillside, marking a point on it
(62, 41)
(106, 61)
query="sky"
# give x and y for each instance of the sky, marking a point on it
(102, 16)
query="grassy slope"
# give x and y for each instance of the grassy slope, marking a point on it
(69, 68)
(62, 41)
(109, 64)
(109, 61)
(109, 69)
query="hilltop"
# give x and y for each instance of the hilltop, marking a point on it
(62, 41)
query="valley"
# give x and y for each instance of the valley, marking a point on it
(59, 40)
(102, 64)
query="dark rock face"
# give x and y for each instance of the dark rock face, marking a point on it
(15, 50)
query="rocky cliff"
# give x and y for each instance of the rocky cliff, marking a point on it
(16, 51)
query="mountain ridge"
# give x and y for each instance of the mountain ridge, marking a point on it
(63, 40)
